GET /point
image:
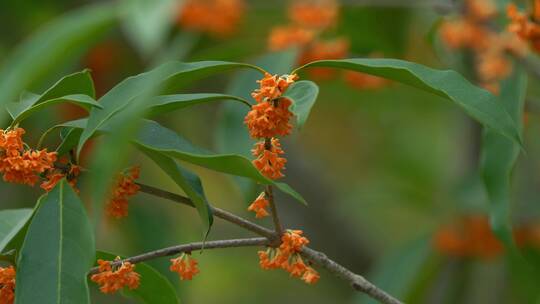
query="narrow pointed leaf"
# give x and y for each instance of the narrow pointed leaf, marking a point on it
(187, 181)
(57, 252)
(499, 156)
(11, 222)
(154, 287)
(168, 103)
(303, 94)
(476, 102)
(126, 92)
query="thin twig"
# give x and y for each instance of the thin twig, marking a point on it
(358, 282)
(220, 213)
(273, 209)
(174, 250)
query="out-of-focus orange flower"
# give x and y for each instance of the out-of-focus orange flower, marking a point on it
(521, 25)
(185, 266)
(259, 206)
(268, 160)
(481, 10)
(364, 81)
(111, 280)
(284, 37)
(324, 50)
(216, 17)
(470, 237)
(125, 187)
(463, 33)
(315, 14)
(7, 285)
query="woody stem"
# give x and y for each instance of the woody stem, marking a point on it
(357, 282)
(174, 250)
(277, 223)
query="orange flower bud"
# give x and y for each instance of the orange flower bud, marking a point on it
(259, 206)
(125, 187)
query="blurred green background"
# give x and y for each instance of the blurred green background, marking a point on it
(382, 170)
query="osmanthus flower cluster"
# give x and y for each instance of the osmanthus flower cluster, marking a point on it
(526, 25)
(21, 165)
(216, 17)
(269, 118)
(7, 285)
(474, 31)
(287, 257)
(185, 266)
(125, 187)
(111, 279)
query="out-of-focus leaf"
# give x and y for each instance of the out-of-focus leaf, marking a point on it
(155, 137)
(178, 49)
(303, 95)
(57, 252)
(154, 287)
(77, 88)
(148, 22)
(397, 272)
(231, 135)
(123, 95)
(478, 103)
(499, 155)
(168, 103)
(187, 181)
(11, 223)
(64, 38)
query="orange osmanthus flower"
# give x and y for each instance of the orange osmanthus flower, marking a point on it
(125, 187)
(315, 14)
(55, 176)
(272, 87)
(481, 10)
(185, 266)
(311, 276)
(7, 285)
(112, 280)
(216, 17)
(287, 257)
(259, 206)
(364, 81)
(268, 160)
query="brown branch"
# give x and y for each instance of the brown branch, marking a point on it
(220, 213)
(273, 209)
(358, 282)
(174, 250)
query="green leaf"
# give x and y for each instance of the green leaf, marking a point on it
(69, 141)
(155, 137)
(63, 39)
(124, 94)
(160, 139)
(57, 252)
(303, 94)
(187, 181)
(478, 103)
(499, 156)
(77, 88)
(168, 103)
(154, 287)
(11, 223)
